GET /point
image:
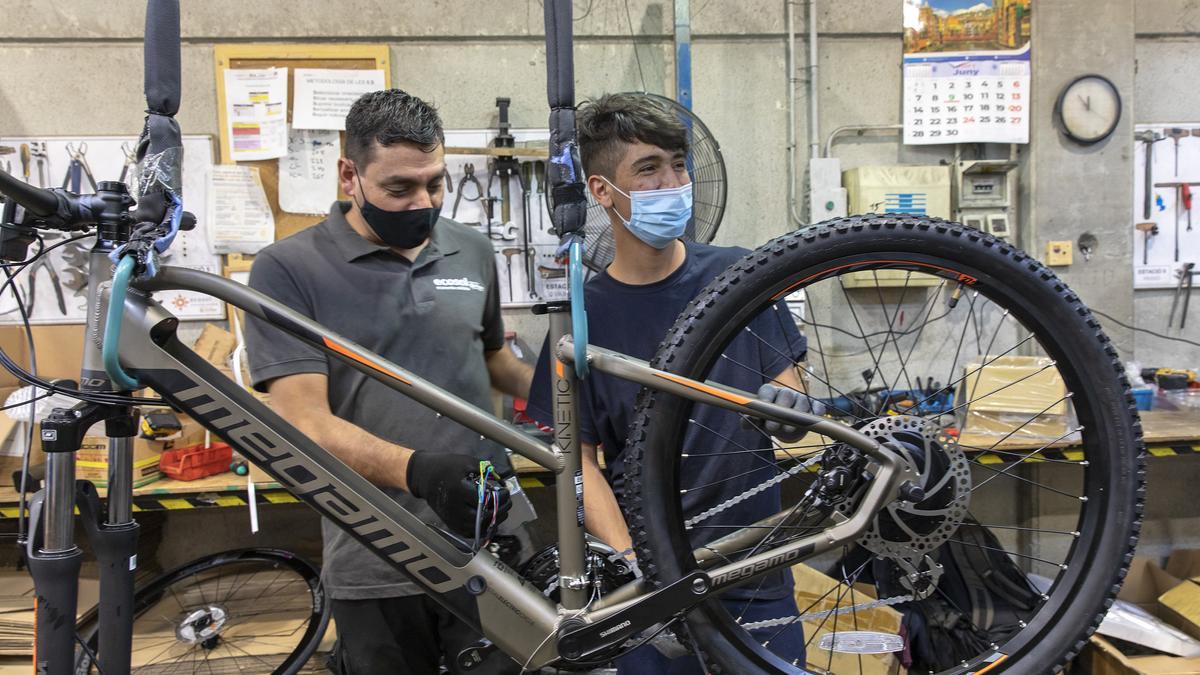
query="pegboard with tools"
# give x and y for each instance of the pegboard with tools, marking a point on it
(56, 286)
(520, 228)
(1166, 240)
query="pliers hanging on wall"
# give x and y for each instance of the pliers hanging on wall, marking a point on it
(78, 169)
(44, 261)
(1186, 275)
(468, 177)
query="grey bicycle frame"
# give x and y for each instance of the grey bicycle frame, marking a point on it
(478, 587)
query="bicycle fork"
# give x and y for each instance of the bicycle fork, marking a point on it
(54, 558)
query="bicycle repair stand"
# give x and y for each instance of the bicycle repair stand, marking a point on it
(53, 557)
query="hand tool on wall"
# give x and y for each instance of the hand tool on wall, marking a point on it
(1185, 194)
(78, 169)
(1186, 275)
(508, 253)
(1149, 138)
(7, 150)
(539, 170)
(45, 262)
(468, 177)
(1148, 230)
(504, 167)
(129, 167)
(1176, 133)
(41, 160)
(25, 159)
(526, 175)
(75, 279)
(1179, 187)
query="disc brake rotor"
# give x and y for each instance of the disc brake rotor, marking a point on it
(908, 532)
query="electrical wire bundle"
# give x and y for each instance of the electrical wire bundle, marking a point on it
(489, 499)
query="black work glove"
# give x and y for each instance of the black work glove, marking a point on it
(788, 398)
(449, 483)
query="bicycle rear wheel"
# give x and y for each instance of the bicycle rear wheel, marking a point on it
(1034, 435)
(244, 611)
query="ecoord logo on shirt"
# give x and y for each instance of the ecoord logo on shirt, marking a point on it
(459, 284)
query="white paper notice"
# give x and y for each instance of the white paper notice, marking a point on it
(240, 220)
(308, 175)
(324, 96)
(256, 110)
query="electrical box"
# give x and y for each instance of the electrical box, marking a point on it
(987, 196)
(826, 196)
(921, 190)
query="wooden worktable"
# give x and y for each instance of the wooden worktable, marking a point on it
(1167, 433)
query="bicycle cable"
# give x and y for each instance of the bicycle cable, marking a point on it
(98, 397)
(22, 501)
(1145, 330)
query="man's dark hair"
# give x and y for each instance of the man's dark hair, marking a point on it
(390, 116)
(605, 125)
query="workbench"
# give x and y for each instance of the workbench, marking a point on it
(1167, 434)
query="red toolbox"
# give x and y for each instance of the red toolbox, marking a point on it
(196, 461)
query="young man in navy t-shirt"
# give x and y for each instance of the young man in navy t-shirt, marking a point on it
(634, 153)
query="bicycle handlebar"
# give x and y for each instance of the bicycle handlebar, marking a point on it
(37, 201)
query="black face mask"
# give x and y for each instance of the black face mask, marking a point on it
(401, 229)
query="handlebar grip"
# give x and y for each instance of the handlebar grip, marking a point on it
(39, 202)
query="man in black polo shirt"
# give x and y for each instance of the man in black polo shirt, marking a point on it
(634, 153)
(384, 271)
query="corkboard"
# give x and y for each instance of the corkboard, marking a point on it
(245, 56)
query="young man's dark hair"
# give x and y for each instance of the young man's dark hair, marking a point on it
(605, 125)
(388, 117)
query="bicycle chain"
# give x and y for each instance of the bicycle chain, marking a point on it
(737, 499)
(812, 616)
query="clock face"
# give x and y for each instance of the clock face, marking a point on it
(1089, 109)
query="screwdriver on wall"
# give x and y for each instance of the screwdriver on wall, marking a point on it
(1176, 134)
(1185, 192)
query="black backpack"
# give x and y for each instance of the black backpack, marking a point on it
(982, 598)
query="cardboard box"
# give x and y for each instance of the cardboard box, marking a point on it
(1144, 582)
(1010, 390)
(1181, 606)
(60, 349)
(1102, 657)
(817, 592)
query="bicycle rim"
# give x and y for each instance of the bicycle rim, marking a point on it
(1027, 429)
(256, 610)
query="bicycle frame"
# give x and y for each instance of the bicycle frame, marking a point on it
(477, 587)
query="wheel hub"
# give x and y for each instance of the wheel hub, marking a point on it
(202, 625)
(908, 532)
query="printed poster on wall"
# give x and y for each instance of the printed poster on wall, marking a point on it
(966, 71)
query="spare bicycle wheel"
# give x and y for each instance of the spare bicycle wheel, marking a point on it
(979, 368)
(246, 611)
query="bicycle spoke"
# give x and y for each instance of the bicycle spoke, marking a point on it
(891, 320)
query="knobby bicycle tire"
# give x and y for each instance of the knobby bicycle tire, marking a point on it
(1113, 477)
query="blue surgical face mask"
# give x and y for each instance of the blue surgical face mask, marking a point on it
(657, 217)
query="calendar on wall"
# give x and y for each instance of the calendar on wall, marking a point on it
(966, 71)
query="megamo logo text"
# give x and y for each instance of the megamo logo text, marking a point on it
(459, 284)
